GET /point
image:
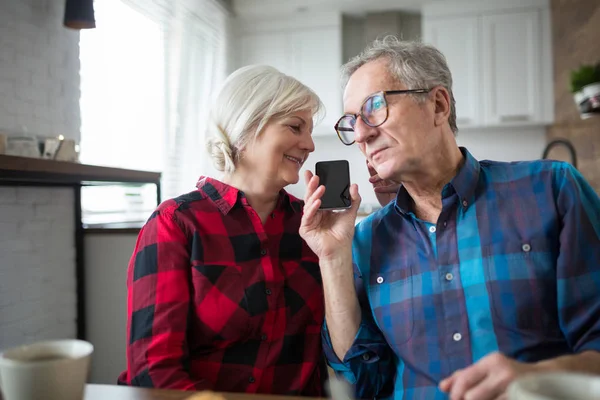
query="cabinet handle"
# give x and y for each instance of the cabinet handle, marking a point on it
(514, 118)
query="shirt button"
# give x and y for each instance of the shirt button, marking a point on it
(380, 279)
(449, 276)
(465, 203)
(457, 337)
(268, 291)
(263, 337)
(445, 223)
(251, 379)
(263, 252)
(526, 247)
(432, 229)
(366, 357)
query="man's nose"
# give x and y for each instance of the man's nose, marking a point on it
(363, 132)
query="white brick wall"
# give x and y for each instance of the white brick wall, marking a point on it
(39, 69)
(39, 90)
(37, 265)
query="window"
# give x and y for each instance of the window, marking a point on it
(122, 89)
(147, 73)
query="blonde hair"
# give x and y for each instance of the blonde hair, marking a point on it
(250, 98)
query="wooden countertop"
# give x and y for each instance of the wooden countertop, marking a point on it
(14, 168)
(110, 392)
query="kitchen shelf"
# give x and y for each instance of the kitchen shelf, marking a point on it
(24, 169)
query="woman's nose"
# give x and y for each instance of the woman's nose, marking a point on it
(308, 143)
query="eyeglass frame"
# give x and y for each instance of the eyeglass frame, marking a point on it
(384, 93)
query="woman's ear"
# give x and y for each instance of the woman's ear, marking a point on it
(442, 104)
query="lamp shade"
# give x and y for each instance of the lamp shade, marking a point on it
(79, 14)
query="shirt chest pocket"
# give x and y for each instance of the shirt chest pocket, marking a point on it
(391, 298)
(521, 279)
(220, 303)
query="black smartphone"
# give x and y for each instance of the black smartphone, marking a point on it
(335, 176)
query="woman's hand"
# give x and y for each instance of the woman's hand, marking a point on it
(385, 190)
(327, 233)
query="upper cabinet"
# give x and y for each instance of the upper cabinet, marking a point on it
(457, 38)
(308, 48)
(500, 59)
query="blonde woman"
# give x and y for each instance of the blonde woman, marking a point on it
(223, 294)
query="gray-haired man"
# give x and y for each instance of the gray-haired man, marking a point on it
(477, 272)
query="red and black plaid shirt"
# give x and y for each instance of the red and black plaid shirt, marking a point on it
(219, 301)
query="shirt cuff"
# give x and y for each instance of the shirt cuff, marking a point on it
(367, 347)
(593, 345)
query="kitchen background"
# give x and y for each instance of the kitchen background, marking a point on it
(511, 63)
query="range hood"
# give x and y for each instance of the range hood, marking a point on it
(359, 30)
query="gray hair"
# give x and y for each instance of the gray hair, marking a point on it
(250, 98)
(415, 64)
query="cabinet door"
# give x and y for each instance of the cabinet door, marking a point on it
(457, 38)
(511, 56)
(317, 55)
(270, 48)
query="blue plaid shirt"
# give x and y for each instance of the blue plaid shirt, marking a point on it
(512, 265)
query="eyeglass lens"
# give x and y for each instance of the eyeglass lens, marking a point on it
(373, 113)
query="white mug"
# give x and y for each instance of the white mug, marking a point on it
(51, 370)
(555, 386)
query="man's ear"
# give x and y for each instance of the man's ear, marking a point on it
(442, 105)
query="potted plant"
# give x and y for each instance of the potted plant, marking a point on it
(585, 86)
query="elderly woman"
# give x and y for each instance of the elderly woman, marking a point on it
(223, 294)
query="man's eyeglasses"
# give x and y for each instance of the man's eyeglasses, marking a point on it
(374, 112)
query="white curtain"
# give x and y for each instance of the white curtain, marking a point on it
(166, 58)
(197, 54)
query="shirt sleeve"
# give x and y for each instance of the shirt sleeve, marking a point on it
(369, 363)
(159, 303)
(578, 265)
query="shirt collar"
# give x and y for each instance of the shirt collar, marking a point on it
(463, 184)
(466, 181)
(226, 197)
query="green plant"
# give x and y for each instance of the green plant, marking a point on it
(584, 75)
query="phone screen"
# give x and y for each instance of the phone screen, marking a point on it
(335, 176)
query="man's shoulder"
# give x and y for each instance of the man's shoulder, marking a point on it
(503, 171)
(364, 228)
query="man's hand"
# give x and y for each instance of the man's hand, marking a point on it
(385, 190)
(487, 379)
(329, 234)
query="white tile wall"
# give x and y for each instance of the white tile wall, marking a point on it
(39, 91)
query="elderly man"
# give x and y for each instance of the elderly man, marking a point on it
(476, 273)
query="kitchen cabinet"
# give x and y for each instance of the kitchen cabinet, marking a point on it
(266, 48)
(511, 61)
(500, 59)
(457, 38)
(309, 49)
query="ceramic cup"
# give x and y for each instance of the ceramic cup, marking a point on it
(51, 370)
(555, 386)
